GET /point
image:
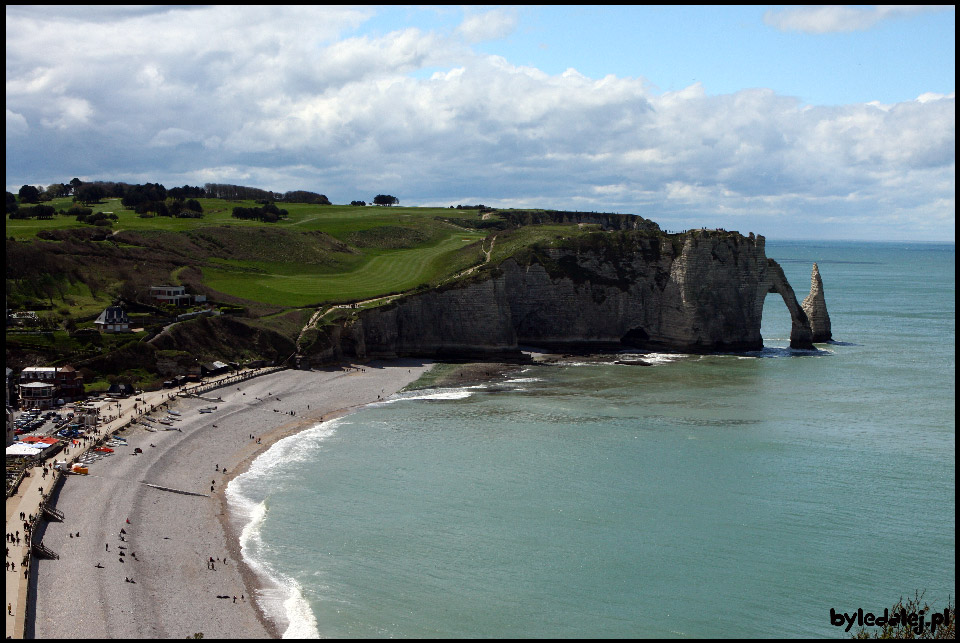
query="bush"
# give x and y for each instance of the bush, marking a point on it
(77, 211)
(913, 606)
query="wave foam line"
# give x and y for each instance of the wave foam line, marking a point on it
(431, 394)
(282, 598)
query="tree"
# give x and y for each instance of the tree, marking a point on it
(11, 203)
(174, 207)
(29, 194)
(303, 196)
(385, 199)
(358, 203)
(56, 190)
(75, 183)
(89, 193)
(39, 211)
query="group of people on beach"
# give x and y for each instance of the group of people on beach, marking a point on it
(120, 549)
(212, 562)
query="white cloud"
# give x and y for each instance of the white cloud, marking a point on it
(68, 112)
(930, 96)
(16, 124)
(224, 98)
(835, 18)
(492, 25)
(174, 136)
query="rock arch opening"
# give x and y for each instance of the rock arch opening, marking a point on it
(801, 336)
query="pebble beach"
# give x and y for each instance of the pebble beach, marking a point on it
(135, 559)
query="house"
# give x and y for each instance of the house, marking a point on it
(10, 431)
(11, 388)
(23, 318)
(113, 320)
(38, 395)
(174, 296)
(44, 386)
(69, 383)
(120, 390)
(38, 374)
(213, 368)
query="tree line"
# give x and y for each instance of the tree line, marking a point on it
(95, 191)
(268, 213)
(245, 193)
(155, 198)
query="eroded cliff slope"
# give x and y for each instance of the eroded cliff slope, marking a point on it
(702, 291)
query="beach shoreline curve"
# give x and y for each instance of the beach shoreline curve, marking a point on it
(167, 587)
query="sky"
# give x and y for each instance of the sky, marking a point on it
(792, 122)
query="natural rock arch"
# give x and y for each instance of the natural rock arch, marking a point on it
(801, 336)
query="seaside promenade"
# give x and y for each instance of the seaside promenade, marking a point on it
(36, 488)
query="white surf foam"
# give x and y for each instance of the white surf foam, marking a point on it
(431, 394)
(663, 358)
(282, 598)
(290, 450)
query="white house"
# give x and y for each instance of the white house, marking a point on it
(113, 320)
(174, 295)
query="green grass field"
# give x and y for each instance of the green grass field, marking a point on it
(507, 244)
(376, 273)
(336, 220)
(392, 249)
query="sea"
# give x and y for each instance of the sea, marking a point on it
(728, 495)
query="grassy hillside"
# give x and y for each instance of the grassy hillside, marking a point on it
(270, 277)
(317, 254)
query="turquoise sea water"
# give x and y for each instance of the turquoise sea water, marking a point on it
(725, 495)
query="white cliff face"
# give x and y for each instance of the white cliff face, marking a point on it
(815, 306)
(698, 292)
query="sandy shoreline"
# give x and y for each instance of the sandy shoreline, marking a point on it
(175, 593)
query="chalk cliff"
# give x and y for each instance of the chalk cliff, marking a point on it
(702, 291)
(815, 306)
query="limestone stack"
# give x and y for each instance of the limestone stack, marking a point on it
(816, 308)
